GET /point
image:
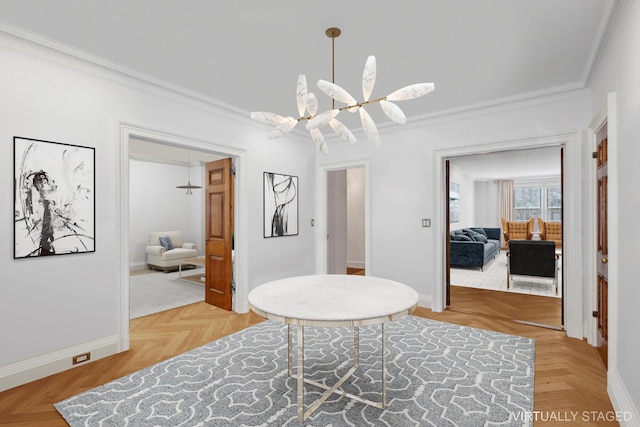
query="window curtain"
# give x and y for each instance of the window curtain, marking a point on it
(505, 200)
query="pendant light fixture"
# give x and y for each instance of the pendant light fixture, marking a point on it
(188, 186)
(308, 102)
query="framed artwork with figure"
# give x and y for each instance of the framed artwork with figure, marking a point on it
(280, 204)
(54, 198)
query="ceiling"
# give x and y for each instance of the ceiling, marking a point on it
(247, 54)
(521, 164)
(156, 151)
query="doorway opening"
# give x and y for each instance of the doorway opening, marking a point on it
(345, 221)
(572, 252)
(343, 218)
(158, 141)
(169, 209)
(528, 182)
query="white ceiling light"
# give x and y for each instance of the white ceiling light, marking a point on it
(307, 102)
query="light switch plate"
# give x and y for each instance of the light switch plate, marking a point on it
(426, 222)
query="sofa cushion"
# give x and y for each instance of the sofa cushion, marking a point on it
(179, 253)
(496, 244)
(166, 243)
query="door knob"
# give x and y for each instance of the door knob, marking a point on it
(604, 260)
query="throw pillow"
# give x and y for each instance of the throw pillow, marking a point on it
(461, 238)
(481, 238)
(166, 243)
(469, 232)
(480, 230)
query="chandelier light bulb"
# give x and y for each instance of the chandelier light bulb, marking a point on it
(369, 77)
(392, 111)
(301, 94)
(411, 92)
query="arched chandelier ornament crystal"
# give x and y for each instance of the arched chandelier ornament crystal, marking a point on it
(307, 102)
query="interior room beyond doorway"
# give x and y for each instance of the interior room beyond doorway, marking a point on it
(477, 180)
(346, 221)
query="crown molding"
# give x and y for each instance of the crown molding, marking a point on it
(613, 10)
(27, 41)
(523, 100)
(42, 46)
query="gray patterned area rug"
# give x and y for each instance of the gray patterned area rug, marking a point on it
(438, 374)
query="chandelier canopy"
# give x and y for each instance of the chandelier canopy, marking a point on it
(308, 105)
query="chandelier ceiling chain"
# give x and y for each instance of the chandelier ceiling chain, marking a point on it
(307, 102)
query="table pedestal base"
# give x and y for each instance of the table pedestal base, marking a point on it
(299, 375)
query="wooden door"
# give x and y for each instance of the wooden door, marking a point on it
(602, 311)
(219, 234)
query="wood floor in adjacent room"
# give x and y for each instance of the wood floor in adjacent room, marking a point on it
(534, 309)
(569, 375)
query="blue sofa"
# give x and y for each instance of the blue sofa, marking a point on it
(473, 247)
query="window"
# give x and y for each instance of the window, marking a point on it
(527, 202)
(554, 203)
(542, 200)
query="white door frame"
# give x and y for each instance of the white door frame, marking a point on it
(127, 131)
(572, 243)
(321, 212)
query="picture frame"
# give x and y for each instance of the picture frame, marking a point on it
(54, 198)
(280, 205)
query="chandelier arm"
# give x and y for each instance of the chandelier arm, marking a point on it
(348, 107)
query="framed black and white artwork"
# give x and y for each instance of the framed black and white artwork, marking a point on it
(280, 205)
(54, 198)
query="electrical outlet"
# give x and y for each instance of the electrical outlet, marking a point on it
(426, 222)
(85, 357)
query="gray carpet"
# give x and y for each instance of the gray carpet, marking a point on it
(437, 374)
(155, 292)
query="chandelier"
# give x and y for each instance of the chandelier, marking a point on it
(308, 105)
(189, 186)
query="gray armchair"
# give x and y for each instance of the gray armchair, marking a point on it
(535, 258)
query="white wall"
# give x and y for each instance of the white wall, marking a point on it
(487, 208)
(155, 204)
(65, 305)
(467, 199)
(618, 72)
(403, 179)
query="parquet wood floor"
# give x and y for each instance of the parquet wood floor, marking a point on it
(508, 305)
(569, 375)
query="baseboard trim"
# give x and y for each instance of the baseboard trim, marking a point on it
(24, 372)
(134, 266)
(626, 412)
(424, 301)
(356, 264)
